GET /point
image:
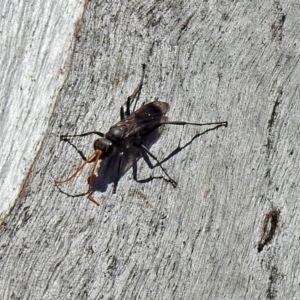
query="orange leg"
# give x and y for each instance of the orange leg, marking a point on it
(96, 154)
(77, 170)
(91, 178)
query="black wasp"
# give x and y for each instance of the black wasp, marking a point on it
(129, 132)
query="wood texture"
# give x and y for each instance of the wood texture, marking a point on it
(37, 41)
(230, 228)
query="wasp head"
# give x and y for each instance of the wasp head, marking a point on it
(105, 146)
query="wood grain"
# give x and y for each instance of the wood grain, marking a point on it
(211, 61)
(37, 41)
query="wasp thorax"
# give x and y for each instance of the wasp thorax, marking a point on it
(116, 133)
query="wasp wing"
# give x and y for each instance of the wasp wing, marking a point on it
(144, 119)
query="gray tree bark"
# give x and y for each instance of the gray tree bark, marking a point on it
(230, 228)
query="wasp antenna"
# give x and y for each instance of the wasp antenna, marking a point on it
(65, 136)
(91, 178)
(77, 170)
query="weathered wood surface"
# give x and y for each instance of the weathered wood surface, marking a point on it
(37, 41)
(203, 240)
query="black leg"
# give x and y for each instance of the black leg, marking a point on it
(118, 174)
(79, 151)
(182, 123)
(180, 148)
(122, 114)
(134, 95)
(172, 181)
(196, 124)
(65, 137)
(150, 165)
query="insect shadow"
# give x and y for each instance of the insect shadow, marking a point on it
(129, 140)
(110, 167)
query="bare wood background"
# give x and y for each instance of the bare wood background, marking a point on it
(203, 240)
(37, 42)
